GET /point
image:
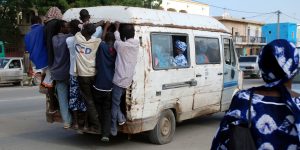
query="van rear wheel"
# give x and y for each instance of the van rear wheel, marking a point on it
(164, 130)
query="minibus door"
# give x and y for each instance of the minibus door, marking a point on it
(208, 74)
(231, 74)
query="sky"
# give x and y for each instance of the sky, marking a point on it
(263, 9)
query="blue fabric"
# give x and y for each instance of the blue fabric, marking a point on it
(284, 56)
(76, 101)
(180, 45)
(105, 66)
(275, 121)
(62, 90)
(36, 46)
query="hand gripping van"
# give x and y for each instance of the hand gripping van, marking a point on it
(163, 94)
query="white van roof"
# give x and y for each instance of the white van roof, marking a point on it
(148, 17)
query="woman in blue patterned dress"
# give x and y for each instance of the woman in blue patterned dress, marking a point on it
(76, 103)
(275, 111)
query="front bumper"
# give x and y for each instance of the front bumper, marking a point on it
(248, 72)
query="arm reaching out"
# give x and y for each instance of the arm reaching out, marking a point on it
(106, 26)
(117, 36)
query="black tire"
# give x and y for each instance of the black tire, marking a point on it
(164, 130)
(259, 75)
(20, 83)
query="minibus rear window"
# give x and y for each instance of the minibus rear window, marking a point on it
(165, 55)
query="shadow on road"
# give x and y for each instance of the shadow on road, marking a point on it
(56, 135)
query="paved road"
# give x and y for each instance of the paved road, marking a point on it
(23, 127)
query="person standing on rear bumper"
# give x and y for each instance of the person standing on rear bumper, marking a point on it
(105, 67)
(127, 51)
(86, 48)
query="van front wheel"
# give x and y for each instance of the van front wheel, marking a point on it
(165, 128)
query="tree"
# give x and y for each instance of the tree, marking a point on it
(10, 12)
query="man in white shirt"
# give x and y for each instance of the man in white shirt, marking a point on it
(127, 51)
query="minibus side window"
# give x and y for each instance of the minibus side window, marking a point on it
(229, 52)
(207, 50)
(165, 54)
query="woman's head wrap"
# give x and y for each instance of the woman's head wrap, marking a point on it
(180, 45)
(278, 62)
(53, 13)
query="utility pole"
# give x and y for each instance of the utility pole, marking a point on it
(278, 23)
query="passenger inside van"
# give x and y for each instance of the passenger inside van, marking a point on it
(213, 52)
(180, 59)
(160, 57)
(201, 49)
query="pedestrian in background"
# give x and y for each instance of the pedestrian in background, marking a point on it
(275, 111)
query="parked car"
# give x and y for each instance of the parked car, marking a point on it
(11, 70)
(249, 65)
(297, 77)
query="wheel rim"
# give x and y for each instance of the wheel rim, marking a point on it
(165, 127)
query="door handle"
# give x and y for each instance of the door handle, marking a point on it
(192, 82)
(225, 73)
(220, 73)
(198, 75)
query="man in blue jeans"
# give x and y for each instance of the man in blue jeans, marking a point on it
(60, 71)
(127, 51)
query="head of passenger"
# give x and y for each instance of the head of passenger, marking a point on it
(53, 13)
(213, 52)
(110, 39)
(88, 30)
(74, 26)
(35, 20)
(202, 47)
(127, 31)
(84, 15)
(63, 27)
(278, 62)
(180, 47)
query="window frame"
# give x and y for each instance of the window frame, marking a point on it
(171, 34)
(231, 51)
(11, 62)
(220, 61)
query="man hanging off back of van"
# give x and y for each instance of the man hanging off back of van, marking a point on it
(127, 51)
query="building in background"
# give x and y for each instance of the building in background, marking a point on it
(185, 6)
(247, 34)
(287, 31)
(298, 35)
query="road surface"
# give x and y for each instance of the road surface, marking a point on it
(23, 127)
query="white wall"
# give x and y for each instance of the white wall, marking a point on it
(187, 5)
